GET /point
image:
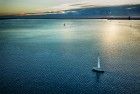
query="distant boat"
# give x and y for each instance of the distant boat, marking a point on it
(129, 18)
(98, 68)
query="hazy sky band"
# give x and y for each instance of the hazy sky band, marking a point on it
(33, 6)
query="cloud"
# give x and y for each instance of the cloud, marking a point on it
(93, 3)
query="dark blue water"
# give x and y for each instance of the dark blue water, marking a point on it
(45, 57)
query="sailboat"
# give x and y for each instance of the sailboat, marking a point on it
(98, 68)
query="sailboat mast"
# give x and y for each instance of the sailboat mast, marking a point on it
(98, 63)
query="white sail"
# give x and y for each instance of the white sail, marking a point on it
(98, 63)
(98, 68)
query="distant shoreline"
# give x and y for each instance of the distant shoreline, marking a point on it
(123, 18)
(108, 18)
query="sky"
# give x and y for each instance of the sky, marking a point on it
(37, 6)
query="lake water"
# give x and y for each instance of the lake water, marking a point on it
(44, 56)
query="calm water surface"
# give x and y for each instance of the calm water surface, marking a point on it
(42, 56)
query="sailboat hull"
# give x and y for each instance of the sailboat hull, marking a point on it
(97, 69)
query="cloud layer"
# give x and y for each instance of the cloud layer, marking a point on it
(51, 6)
